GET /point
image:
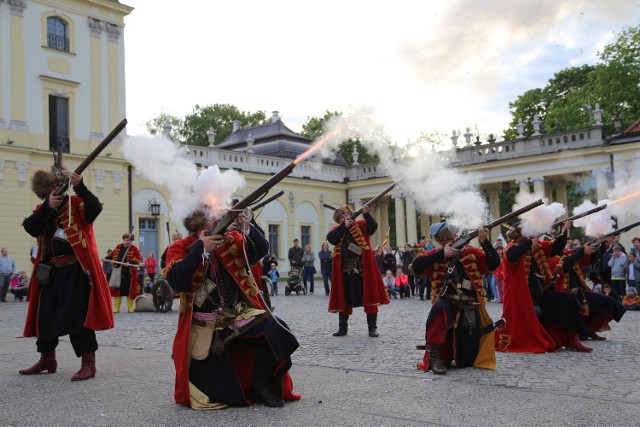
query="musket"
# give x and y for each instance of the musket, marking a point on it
(619, 231)
(229, 216)
(463, 241)
(267, 200)
(578, 216)
(92, 156)
(373, 201)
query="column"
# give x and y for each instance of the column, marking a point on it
(377, 236)
(602, 183)
(16, 55)
(425, 223)
(524, 185)
(401, 232)
(383, 222)
(494, 209)
(561, 194)
(412, 235)
(355, 204)
(96, 28)
(538, 185)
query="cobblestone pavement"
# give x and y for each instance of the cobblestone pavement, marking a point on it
(609, 373)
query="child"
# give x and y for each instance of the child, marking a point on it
(390, 283)
(402, 284)
(274, 276)
(147, 285)
(631, 301)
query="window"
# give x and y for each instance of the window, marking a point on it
(305, 235)
(274, 236)
(58, 124)
(57, 34)
(147, 223)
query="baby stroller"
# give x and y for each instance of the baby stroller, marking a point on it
(294, 282)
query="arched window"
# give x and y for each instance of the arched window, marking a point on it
(57, 34)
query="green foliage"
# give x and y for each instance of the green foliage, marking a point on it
(156, 125)
(314, 128)
(220, 117)
(569, 98)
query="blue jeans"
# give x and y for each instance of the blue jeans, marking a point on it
(307, 274)
(326, 274)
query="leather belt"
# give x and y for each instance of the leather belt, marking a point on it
(63, 261)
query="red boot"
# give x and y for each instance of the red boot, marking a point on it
(47, 363)
(87, 368)
(573, 343)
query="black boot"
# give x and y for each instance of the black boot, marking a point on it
(343, 319)
(372, 319)
(262, 375)
(436, 365)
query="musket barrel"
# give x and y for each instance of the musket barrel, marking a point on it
(375, 199)
(267, 200)
(617, 232)
(92, 156)
(580, 215)
(232, 214)
(462, 241)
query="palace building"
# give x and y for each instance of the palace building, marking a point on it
(62, 88)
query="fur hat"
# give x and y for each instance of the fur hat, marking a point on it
(129, 236)
(515, 231)
(43, 182)
(196, 220)
(338, 213)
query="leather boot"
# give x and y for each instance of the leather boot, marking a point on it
(87, 367)
(129, 304)
(343, 319)
(116, 304)
(573, 343)
(47, 363)
(259, 391)
(372, 319)
(596, 337)
(436, 365)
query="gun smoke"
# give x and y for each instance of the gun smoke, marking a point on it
(165, 163)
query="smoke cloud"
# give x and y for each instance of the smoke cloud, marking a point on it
(538, 220)
(597, 223)
(167, 164)
(437, 188)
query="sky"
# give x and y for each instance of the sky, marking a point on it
(421, 66)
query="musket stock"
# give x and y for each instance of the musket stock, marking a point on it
(578, 216)
(463, 241)
(92, 156)
(229, 216)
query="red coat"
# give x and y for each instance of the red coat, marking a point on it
(523, 332)
(243, 363)
(474, 263)
(133, 256)
(150, 265)
(80, 236)
(373, 290)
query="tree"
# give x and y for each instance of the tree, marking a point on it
(156, 125)
(220, 117)
(315, 127)
(569, 98)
